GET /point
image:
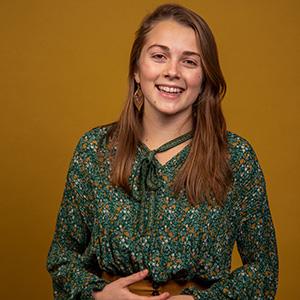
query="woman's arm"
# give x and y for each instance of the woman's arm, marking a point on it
(70, 259)
(258, 277)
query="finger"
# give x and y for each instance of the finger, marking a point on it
(163, 296)
(128, 280)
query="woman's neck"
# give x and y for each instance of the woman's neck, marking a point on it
(157, 131)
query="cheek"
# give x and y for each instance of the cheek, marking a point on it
(195, 80)
(148, 71)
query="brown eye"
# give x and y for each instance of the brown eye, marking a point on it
(190, 62)
(158, 57)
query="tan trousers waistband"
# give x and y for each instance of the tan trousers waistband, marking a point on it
(147, 288)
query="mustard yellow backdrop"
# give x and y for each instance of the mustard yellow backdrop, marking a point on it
(63, 69)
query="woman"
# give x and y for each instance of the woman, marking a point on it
(154, 202)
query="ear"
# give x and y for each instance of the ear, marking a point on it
(137, 76)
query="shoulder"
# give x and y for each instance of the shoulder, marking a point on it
(94, 139)
(243, 158)
(239, 146)
(90, 147)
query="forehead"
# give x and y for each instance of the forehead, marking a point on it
(173, 35)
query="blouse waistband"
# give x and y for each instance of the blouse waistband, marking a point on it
(148, 287)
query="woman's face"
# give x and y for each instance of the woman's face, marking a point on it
(169, 70)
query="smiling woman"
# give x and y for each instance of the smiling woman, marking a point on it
(154, 202)
(169, 72)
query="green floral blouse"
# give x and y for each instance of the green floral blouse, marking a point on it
(100, 227)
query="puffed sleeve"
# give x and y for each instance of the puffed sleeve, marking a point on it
(258, 277)
(71, 261)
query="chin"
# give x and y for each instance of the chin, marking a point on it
(174, 110)
(168, 109)
(170, 113)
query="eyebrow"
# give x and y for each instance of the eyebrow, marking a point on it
(167, 49)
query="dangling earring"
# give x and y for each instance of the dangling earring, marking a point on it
(138, 98)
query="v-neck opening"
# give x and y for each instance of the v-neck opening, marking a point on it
(169, 161)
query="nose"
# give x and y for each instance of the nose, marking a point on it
(172, 70)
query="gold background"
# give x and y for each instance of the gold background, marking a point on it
(63, 70)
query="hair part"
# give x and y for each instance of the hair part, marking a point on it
(206, 173)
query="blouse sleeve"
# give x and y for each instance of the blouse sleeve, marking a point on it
(258, 277)
(70, 259)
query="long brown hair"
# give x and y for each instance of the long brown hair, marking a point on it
(206, 174)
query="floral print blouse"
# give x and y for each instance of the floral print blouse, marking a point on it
(101, 228)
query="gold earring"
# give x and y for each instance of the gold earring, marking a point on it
(138, 98)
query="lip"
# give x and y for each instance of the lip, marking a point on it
(170, 86)
(169, 95)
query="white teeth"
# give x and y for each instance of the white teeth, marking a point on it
(169, 89)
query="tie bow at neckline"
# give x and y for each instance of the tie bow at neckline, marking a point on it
(149, 175)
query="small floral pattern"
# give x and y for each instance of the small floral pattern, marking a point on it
(100, 227)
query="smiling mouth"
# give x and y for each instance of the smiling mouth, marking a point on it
(169, 90)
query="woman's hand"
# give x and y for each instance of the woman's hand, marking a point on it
(118, 289)
(181, 297)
